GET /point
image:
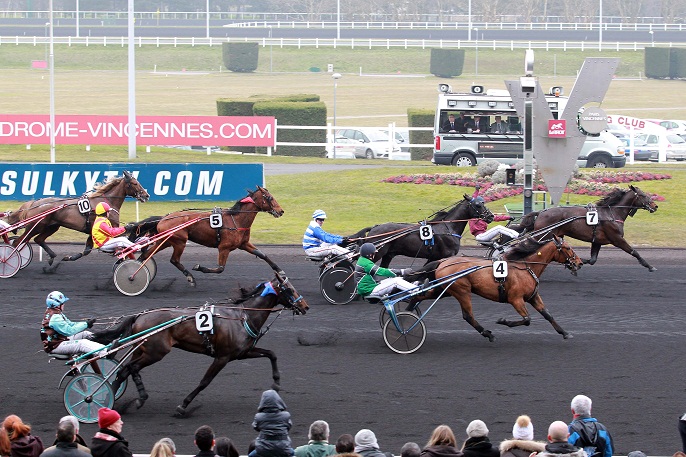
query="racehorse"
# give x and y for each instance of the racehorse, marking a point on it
(526, 262)
(236, 329)
(612, 209)
(114, 191)
(394, 238)
(232, 233)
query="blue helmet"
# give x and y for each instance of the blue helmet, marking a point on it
(478, 199)
(55, 299)
(319, 214)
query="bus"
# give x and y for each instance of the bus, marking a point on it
(487, 127)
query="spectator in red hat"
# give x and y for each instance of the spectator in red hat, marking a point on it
(108, 441)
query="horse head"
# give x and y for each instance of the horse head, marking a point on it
(477, 209)
(134, 188)
(288, 296)
(566, 255)
(265, 202)
(642, 201)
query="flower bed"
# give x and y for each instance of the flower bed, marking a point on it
(595, 183)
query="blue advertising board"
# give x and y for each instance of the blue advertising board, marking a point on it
(163, 181)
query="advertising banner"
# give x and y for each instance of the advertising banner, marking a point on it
(150, 130)
(170, 182)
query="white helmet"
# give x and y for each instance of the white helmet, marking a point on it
(319, 214)
(55, 299)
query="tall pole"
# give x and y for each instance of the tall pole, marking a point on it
(51, 66)
(271, 60)
(469, 19)
(132, 86)
(207, 25)
(476, 61)
(338, 19)
(78, 33)
(336, 77)
(600, 26)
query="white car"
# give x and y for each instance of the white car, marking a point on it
(672, 126)
(370, 143)
(676, 146)
(344, 148)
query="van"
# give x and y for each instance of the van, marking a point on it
(468, 144)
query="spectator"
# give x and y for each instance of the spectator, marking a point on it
(478, 444)
(204, 440)
(586, 432)
(558, 446)
(319, 243)
(682, 431)
(108, 441)
(16, 439)
(367, 446)
(464, 122)
(251, 446)
(80, 442)
(164, 447)
(66, 443)
(499, 126)
(410, 449)
(522, 443)
(442, 443)
(318, 444)
(345, 444)
(224, 447)
(636, 454)
(273, 422)
(450, 125)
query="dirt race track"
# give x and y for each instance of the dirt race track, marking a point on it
(627, 354)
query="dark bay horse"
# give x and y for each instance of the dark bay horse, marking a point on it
(113, 192)
(237, 327)
(526, 262)
(395, 238)
(613, 209)
(233, 232)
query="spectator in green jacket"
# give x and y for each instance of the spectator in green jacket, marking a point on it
(318, 446)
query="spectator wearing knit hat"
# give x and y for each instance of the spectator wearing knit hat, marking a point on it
(478, 444)
(522, 443)
(367, 446)
(108, 441)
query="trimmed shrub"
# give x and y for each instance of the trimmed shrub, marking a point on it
(231, 107)
(677, 63)
(296, 113)
(657, 63)
(420, 118)
(240, 57)
(446, 63)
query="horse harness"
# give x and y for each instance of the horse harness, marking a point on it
(218, 229)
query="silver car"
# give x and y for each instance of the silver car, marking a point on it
(371, 143)
(676, 146)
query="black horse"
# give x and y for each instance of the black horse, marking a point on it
(395, 238)
(612, 211)
(236, 330)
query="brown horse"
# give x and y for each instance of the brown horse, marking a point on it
(236, 329)
(232, 233)
(114, 191)
(526, 262)
(612, 211)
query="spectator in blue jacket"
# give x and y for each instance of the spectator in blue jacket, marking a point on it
(318, 243)
(586, 432)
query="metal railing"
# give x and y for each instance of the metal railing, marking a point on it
(363, 43)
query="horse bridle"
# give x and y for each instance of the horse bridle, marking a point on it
(282, 287)
(568, 261)
(139, 193)
(268, 199)
(483, 212)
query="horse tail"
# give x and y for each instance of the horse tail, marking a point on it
(361, 234)
(120, 330)
(146, 227)
(526, 224)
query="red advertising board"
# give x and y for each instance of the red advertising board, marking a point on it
(150, 130)
(557, 128)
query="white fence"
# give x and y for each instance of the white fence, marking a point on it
(362, 43)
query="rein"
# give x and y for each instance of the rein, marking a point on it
(410, 229)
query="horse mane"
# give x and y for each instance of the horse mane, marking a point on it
(100, 188)
(443, 213)
(612, 198)
(524, 248)
(247, 294)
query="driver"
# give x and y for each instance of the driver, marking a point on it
(62, 336)
(105, 237)
(318, 243)
(367, 272)
(480, 230)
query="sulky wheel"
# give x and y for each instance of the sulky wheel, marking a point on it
(26, 253)
(131, 277)
(10, 261)
(383, 315)
(106, 367)
(338, 285)
(85, 395)
(151, 265)
(408, 337)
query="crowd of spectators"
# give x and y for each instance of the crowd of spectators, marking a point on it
(584, 436)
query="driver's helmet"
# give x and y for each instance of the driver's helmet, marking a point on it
(367, 250)
(102, 208)
(478, 200)
(319, 214)
(55, 299)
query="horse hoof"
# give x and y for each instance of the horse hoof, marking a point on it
(501, 321)
(651, 269)
(196, 267)
(276, 387)
(180, 411)
(50, 260)
(567, 336)
(489, 335)
(139, 403)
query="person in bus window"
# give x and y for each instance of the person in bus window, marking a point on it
(499, 126)
(450, 125)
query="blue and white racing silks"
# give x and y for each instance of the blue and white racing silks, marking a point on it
(315, 236)
(62, 325)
